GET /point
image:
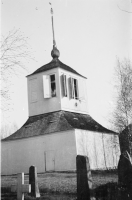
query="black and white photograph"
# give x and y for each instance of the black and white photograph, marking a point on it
(66, 99)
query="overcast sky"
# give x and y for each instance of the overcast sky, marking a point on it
(90, 34)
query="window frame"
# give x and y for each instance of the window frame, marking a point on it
(74, 88)
(64, 89)
(51, 83)
(47, 86)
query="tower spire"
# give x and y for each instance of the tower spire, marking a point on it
(55, 52)
(54, 43)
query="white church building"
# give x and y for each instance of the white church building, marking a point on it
(59, 126)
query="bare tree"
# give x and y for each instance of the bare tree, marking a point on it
(14, 52)
(123, 110)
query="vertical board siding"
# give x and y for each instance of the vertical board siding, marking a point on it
(100, 150)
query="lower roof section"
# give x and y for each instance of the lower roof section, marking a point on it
(55, 122)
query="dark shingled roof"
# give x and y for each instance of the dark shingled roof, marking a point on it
(54, 64)
(55, 122)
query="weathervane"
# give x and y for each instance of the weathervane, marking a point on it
(55, 52)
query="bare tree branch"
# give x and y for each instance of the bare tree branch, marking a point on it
(124, 10)
(14, 53)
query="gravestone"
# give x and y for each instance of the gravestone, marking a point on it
(84, 179)
(33, 181)
(125, 176)
(20, 188)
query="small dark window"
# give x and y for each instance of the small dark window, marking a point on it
(52, 78)
(75, 89)
(53, 85)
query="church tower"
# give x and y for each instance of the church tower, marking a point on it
(56, 86)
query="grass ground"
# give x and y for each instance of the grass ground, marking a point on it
(61, 186)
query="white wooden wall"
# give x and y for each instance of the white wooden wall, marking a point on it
(60, 149)
(98, 147)
(58, 152)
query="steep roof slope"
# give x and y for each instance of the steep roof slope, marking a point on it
(56, 122)
(54, 64)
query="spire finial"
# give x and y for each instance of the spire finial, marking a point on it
(55, 52)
